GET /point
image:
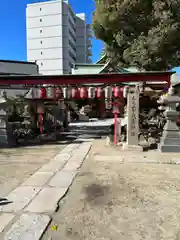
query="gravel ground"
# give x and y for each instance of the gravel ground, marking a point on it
(110, 200)
(16, 165)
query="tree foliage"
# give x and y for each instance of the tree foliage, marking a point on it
(142, 33)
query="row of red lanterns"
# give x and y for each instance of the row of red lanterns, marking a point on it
(78, 92)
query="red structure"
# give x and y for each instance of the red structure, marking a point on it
(75, 86)
(87, 79)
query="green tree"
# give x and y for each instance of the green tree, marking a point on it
(143, 33)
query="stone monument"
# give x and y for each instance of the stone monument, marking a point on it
(6, 131)
(132, 120)
(170, 140)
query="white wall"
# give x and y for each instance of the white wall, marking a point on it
(43, 32)
(44, 8)
(46, 53)
(56, 37)
(43, 43)
(45, 21)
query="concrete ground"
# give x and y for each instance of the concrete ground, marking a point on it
(115, 195)
(27, 205)
(16, 165)
(119, 195)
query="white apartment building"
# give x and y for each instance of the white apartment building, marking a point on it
(57, 37)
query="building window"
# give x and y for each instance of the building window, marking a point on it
(41, 53)
(41, 64)
(41, 42)
(40, 19)
(40, 31)
(40, 9)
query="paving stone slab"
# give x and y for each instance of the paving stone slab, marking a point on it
(20, 197)
(62, 157)
(47, 200)
(38, 179)
(83, 148)
(78, 159)
(28, 227)
(72, 166)
(62, 179)
(69, 148)
(80, 154)
(52, 166)
(86, 144)
(5, 219)
(108, 158)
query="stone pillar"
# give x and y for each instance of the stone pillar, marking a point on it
(170, 140)
(6, 131)
(132, 119)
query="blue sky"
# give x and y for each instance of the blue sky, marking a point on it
(13, 27)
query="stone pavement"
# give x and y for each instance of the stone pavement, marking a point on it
(26, 215)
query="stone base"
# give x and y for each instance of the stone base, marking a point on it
(136, 148)
(169, 148)
(7, 142)
(83, 118)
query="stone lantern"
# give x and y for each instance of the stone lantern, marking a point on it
(170, 140)
(6, 131)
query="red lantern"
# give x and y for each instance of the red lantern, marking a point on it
(108, 92)
(91, 92)
(50, 92)
(83, 92)
(58, 93)
(43, 94)
(118, 92)
(121, 92)
(34, 93)
(75, 92)
(125, 91)
(67, 92)
(99, 92)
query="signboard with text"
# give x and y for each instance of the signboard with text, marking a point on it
(133, 117)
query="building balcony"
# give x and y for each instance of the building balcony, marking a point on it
(89, 31)
(89, 34)
(89, 43)
(89, 52)
(89, 60)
